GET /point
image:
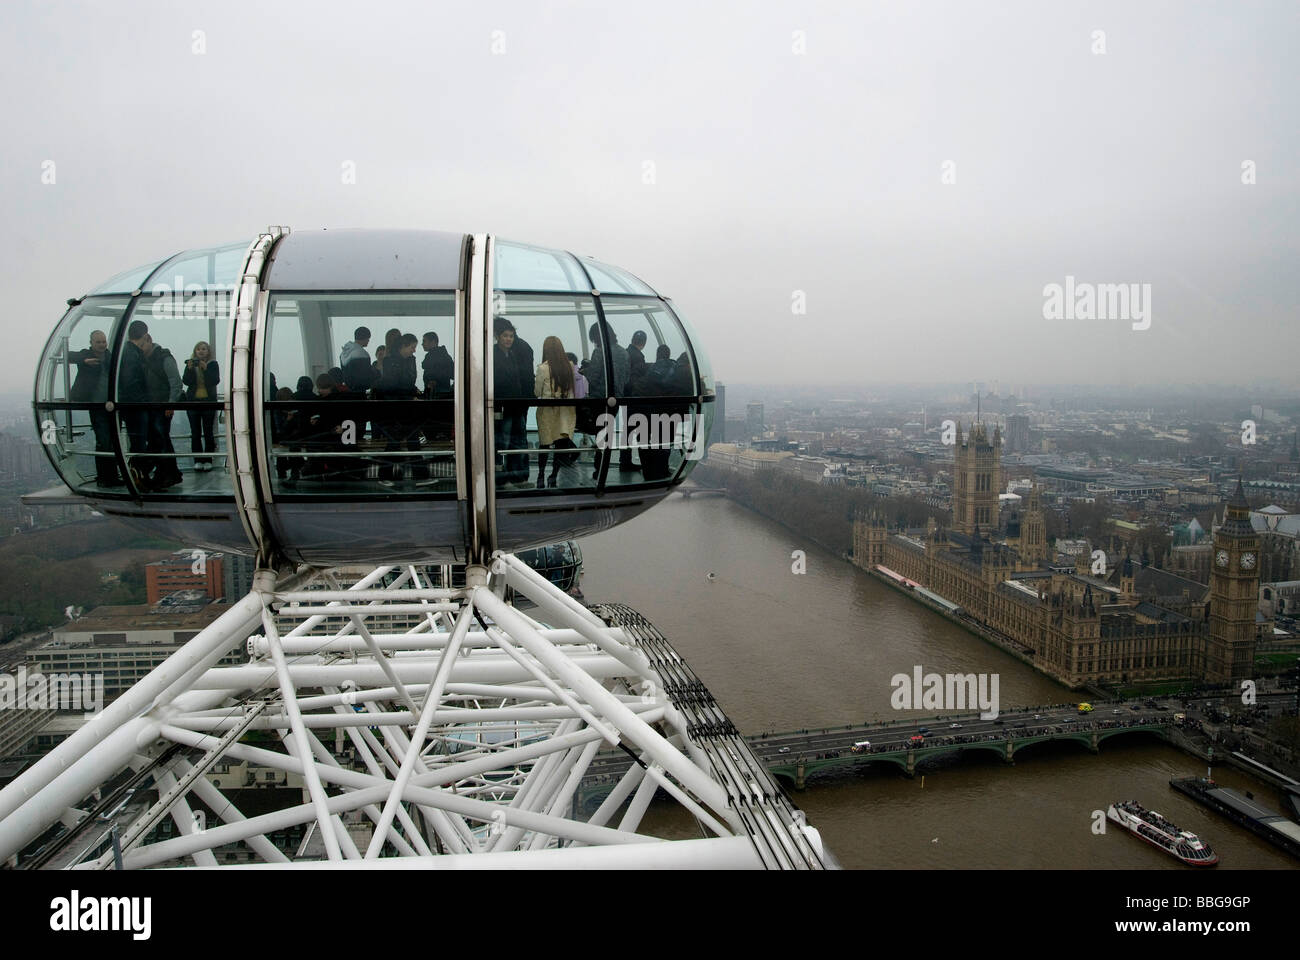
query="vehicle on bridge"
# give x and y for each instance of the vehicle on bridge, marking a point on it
(862, 746)
(1085, 708)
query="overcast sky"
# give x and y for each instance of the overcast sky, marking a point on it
(794, 147)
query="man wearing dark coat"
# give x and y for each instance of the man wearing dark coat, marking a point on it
(91, 387)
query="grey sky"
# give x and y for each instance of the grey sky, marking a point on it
(774, 171)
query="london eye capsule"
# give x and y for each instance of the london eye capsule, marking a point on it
(341, 396)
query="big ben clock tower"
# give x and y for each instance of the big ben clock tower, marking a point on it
(1234, 595)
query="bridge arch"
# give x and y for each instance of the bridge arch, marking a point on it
(1158, 732)
(1082, 738)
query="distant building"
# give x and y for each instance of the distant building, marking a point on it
(1280, 599)
(237, 576)
(754, 423)
(977, 479)
(745, 460)
(124, 643)
(1017, 439)
(1132, 623)
(185, 570)
(718, 431)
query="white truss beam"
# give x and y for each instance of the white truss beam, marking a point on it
(410, 725)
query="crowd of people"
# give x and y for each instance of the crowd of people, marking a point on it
(315, 438)
(560, 376)
(520, 382)
(148, 374)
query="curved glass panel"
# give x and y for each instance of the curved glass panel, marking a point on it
(520, 266)
(75, 369)
(363, 394)
(650, 425)
(560, 563)
(701, 358)
(610, 279)
(171, 380)
(695, 436)
(127, 282)
(196, 271)
(659, 363)
(544, 415)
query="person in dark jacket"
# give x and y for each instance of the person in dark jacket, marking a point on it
(437, 367)
(297, 428)
(660, 380)
(596, 381)
(438, 373)
(91, 387)
(595, 370)
(133, 387)
(323, 431)
(636, 363)
(201, 376)
(284, 431)
(512, 377)
(397, 382)
(165, 387)
(636, 387)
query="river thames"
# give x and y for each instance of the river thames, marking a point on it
(782, 651)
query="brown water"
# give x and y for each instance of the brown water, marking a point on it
(783, 651)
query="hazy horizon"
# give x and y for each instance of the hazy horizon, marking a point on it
(798, 154)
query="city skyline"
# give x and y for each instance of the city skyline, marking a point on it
(828, 194)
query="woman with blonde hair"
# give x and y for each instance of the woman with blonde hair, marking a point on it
(555, 424)
(200, 378)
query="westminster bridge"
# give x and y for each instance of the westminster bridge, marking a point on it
(794, 756)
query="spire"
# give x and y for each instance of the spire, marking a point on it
(1236, 516)
(1239, 497)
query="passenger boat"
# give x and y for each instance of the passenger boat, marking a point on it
(1159, 832)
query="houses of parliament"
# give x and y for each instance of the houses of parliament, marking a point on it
(1080, 623)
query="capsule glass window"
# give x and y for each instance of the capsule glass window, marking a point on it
(521, 266)
(76, 425)
(547, 379)
(609, 279)
(359, 394)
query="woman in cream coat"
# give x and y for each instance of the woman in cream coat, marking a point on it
(555, 424)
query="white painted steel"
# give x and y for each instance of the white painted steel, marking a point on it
(417, 739)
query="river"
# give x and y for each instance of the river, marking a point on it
(782, 650)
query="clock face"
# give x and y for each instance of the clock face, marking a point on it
(1247, 561)
(1221, 558)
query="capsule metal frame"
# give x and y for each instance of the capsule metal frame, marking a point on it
(325, 527)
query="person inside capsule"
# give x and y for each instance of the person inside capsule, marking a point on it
(563, 335)
(556, 425)
(512, 380)
(91, 387)
(201, 376)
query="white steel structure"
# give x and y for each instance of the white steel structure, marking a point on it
(428, 727)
